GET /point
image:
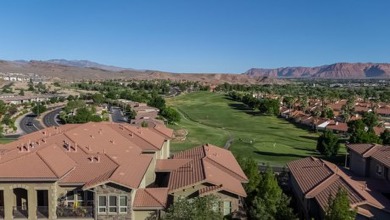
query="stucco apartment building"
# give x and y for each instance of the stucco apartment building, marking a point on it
(110, 171)
(314, 180)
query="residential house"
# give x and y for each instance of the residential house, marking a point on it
(370, 160)
(314, 180)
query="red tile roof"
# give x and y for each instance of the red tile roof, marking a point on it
(151, 198)
(208, 164)
(318, 179)
(338, 126)
(378, 152)
(88, 154)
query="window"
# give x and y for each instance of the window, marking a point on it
(227, 206)
(379, 170)
(70, 198)
(122, 204)
(102, 204)
(112, 204)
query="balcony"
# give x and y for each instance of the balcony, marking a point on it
(20, 212)
(75, 212)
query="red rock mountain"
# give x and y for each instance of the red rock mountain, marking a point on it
(337, 70)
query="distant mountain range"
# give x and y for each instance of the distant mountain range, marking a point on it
(336, 71)
(87, 70)
(74, 70)
(87, 64)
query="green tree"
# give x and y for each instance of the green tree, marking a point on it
(328, 144)
(39, 108)
(339, 207)
(360, 133)
(385, 136)
(3, 108)
(157, 101)
(98, 98)
(370, 119)
(21, 92)
(198, 208)
(270, 202)
(251, 170)
(171, 115)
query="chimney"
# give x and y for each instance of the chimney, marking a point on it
(337, 123)
(112, 141)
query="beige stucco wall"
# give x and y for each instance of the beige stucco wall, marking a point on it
(10, 198)
(141, 215)
(150, 174)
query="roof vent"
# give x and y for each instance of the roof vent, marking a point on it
(112, 141)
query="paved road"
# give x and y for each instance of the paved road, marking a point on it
(50, 119)
(29, 124)
(117, 116)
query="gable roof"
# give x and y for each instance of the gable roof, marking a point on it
(207, 164)
(318, 179)
(151, 198)
(378, 152)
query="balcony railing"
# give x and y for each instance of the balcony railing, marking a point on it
(42, 212)
(75, 212)
(20, 212)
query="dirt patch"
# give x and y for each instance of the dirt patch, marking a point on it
(180, 135)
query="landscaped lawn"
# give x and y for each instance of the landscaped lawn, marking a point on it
(213, 118)
(6, 140)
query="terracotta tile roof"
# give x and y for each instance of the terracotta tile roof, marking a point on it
(29, 166)
(323, 197)
(319, 183)
(338, 126)
(300, 168)
(170, 165)
(363, 149)
(57, 160)
(208, 164)
(86, 155)
(383, 111)
(361, 109)
(378, 152)
(382, 155)
(151, 198)
(163, 130)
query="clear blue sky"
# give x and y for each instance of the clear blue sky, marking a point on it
(197, 35)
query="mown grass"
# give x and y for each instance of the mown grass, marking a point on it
(6, 140)
(214, 118)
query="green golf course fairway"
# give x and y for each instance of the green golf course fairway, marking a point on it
(214, 118)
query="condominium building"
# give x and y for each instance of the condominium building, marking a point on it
(110, 171)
